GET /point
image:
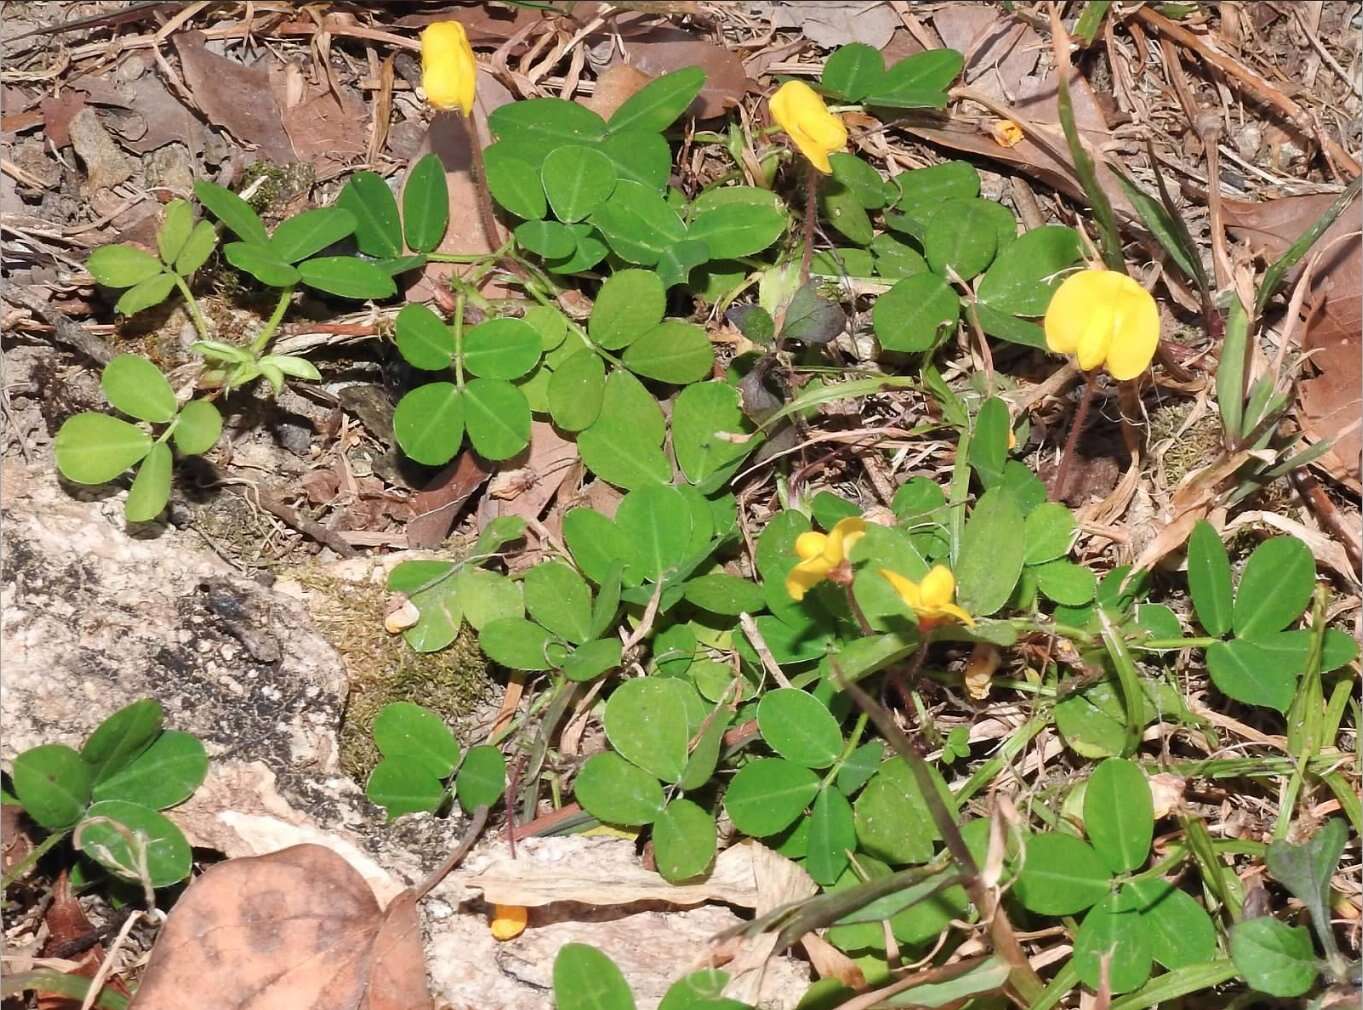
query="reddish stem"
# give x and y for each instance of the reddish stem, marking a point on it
(1080, 419)
(811, 197)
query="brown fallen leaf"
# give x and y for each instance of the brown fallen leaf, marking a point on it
(661, 50)
(234, 96)
(437, 505)
(71, 937)
(326, 132)
(297, 929)
(105, 164)
(614, 86)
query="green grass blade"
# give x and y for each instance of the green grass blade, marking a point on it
(1274, 275)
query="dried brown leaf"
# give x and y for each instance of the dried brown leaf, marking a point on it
(297, 929)
(234, 96)
(661, 50)
(437, 505)
(614, 86)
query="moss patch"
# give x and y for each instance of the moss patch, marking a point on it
(382, 668)
(1193, 449)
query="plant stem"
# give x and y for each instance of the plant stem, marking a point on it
(272, 324)
(195, 314)
(487, 218)
(459, 338)
(811, 201)
(1076, 426)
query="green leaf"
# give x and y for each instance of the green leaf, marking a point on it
(591, 250)
(501, 348)
(843, 210)
(558, 598)
(378, 229)
(403, 785)
(519, 644)
(121, 737)
(429, 423)
(1246, 671)
(199, 246)
(1066, 582)
(591, 659)
(892, 818)
(168, 856)
(964, 235)
(702, 415)
(639, 157)
(738, 229)
(656, 105)
(546, 238)
(896, 259)
(616, 792)
(164, 774)
(857, 770)
(929, 188)
(724, 594)
(577, 180)
(121, 266)
(1061, 876)
(1049, 532)
(1180, 930)
(1010, 328)
(482, 777)
(629, 304)
(1275, 587)
(232, 211)
(53, 784)
(151, 487)
(853, 72)
(576, 390)
(684, 839)
(918, 81)
(620, 454)
(585, 978)
(992, 548)
(310, 232)
(811, 319)
(1121, 938)
(1027, 271)
(768, 794)
(487, 596)
(679, 259)
(799, 727)
(145, 295)
(673, 351)
(425, 204)
(696, 991)
(655, 520)
(989, 447)
(403, 729)
(1119, 814)
(424, 341)
(138, 388)
(1209, 579)
(913, 314)
(1305, 869)
(515, 183)
(95, 448)
(547, 123)
(832, 837)
(498, 418)
(261, 263)
(177, 221)
(637, 223)
(347, 277)
(1274, 958)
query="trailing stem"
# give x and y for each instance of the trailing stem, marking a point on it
(811, 206)
(1081, 415)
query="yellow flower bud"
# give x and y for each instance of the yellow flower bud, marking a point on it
(798, 109)
(449, 74)
(508, 921)
(1104, 319)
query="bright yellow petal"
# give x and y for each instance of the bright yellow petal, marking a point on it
(799, 110)
(906, 588)
(810, 545)
(449, 72)
(844, 534)
(951, 610)
(1135, 336)
(508, 921)
(1068, 312)
(938, 587)
(1096, 339)
(805, 576)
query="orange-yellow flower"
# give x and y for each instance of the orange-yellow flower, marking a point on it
(449, 73)
(508, 921)
(821, 553)
(798, 109)
(932, 599)
(1105, 319)
(1006, 133)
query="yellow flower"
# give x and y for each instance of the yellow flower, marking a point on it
(931, 599)
(449, 74)
(798, 109)
(1104, 318)
(820, 554)
(1006, 133)
(508, 921)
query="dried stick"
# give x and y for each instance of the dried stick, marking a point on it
(456, 857)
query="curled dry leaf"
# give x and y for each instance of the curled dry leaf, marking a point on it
(234, 96)
(296, 929)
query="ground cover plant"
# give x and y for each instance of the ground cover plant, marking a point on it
(869, 552)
